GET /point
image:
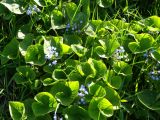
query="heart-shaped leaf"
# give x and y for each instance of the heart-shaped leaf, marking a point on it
(74, 112)
(24, 74)
(17, 110)
(57, 20)
(100, 108)
(150, 99)
(35, 55)
(10, 51)
(45, 103)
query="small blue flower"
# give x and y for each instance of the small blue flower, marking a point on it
(55, 117)
(81, 21)
(29, 12)
(54, 62)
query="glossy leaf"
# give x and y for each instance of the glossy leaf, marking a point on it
(10, 51)
(35, 55)
(79, 50)
(25, 44)
(45, 103)
(150, 99)
(76, 112)
(122, 68)
(17, 110)
(13, 7)
(113, 97)
(100, 108)
(24, 74)
(57, 20)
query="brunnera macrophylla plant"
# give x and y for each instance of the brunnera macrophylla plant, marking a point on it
(80, 70)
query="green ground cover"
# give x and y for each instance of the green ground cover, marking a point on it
(79, 59)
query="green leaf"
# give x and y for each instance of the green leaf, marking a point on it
(57, 20)
(25, 43)
(113, 97)
(99, 68)
(156, 54)
(45, 103)
(152, 21)
(110, 44)
(72, 39)
(66, 49)
(101, 51)
(144, 42)
(97, 90)
(24, 74)
(28, 109)
(93, 27)
(149, 99)
(76, 113)
(100, 108)
(112, 80)
(13, 7)
(17, 110)
(10, 51)
(104, 3)
(35, 55)
(65, 92)
(70, 9)
(122, 68)
(76, 76)
(79, 50)
(48, 81)
(59, 74)
(25, 30)
(85, 69)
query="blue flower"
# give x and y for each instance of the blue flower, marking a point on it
(81, 21)
(29, 12)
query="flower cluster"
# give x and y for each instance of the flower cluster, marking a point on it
(51, 53)
(154, 75)
(56, 118)
(120, 54)
(32, 9)
(82, 92)
(75, 27)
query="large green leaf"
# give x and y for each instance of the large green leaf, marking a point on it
(71, 10)
(24, 74)
(122, 68)
(45, 103)
(76, 113)
(79, 50)
(28, 109)
(57, 20)
(35, 55)
(100, 108)
(72, 39)
(150, 99)
(144, 42)
(59, 74)
(13, 7)
(25, 43)
(97, 90)
(17, 110)
(152, 21)
(104, 3)
(113, 97)
(113, 80)
(92, 27)
(10, 51)
(99, 68)
(65, 92)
